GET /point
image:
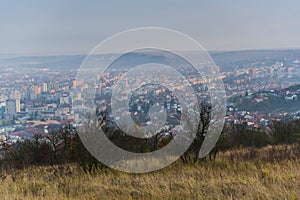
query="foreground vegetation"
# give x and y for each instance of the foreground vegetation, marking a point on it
(244, 164)
(265, 173)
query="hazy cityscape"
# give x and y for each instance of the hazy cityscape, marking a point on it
(149, 99)
(37, 98)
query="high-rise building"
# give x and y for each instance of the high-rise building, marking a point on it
(45, 87)
(11, 107)
(18, 105)
(16, 95)
(51, 86)
(252, 72)
(56, 85)
(33, 93)
(38, 89)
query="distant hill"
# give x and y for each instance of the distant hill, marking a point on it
(271, 102)
(227, 59)
(230, 59)
(73, 61)
(294, 87)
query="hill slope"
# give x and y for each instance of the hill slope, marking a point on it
(231, 176)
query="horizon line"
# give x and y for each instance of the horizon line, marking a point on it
(19, 55)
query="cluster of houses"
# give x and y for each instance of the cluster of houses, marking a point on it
(20, 132)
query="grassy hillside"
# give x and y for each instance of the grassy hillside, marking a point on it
(266, 173)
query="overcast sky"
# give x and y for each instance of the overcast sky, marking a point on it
(40, 27)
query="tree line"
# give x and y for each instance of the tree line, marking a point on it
(64, 146)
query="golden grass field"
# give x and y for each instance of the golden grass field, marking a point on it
(231, 176)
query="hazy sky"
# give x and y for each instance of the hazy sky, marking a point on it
(40, 27)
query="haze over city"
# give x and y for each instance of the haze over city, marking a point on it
(72, 27)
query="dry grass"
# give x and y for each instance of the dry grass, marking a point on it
(225, 178)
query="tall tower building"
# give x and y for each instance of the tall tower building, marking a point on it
(45, 87)
(56, 85)
(11, 107)
(18, 105)
(38, 89)
(253, 72)
(51, 86)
